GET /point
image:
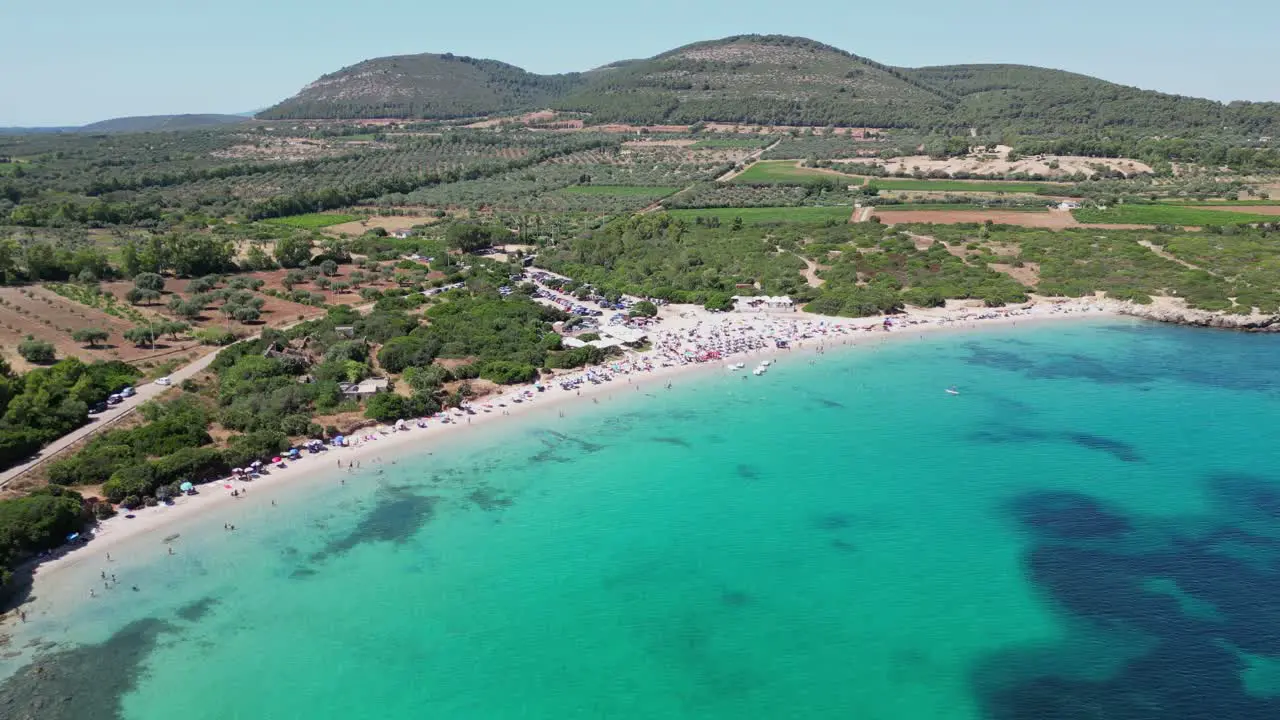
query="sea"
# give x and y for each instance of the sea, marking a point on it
(1089, 529)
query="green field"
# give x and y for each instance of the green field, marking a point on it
(312, 221)
(730, 143)
(1168, 215)
(964, 186)
(768, 214)
(1223, 203)
(785, 172)
(957, 206)
(621, 190)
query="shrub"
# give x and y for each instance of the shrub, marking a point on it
(36, 351)
(644, 308)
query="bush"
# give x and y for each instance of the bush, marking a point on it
(402, 353)
(388, 407)
(506, 372)
(36, 351)
(644, 308)
(148, 281)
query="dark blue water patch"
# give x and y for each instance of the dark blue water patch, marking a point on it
(489, 499)
(1118, 449)
(1061, 515)
(843, 546)
(87, 682)
(831, 521)
(734, 598)
(746, 472)
(1247, 495)
(1202, 591)
(985, 355)
(197, 610)
(396, 517)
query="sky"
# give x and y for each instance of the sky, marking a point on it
(79, 61)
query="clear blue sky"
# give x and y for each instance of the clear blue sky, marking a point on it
(77, 61)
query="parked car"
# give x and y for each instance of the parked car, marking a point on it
(97, 408)
(114, 399)
(127, 392)
(166, 381)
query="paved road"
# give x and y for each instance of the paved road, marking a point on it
(104, 420)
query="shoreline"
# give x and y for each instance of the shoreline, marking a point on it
(147, 532)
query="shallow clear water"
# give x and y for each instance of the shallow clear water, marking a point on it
(1090, 529)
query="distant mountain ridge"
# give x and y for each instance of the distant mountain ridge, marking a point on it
(766, 79)
(139, 123)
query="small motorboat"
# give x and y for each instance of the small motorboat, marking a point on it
(952, 390)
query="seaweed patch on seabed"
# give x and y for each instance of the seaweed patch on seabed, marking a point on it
(396, 518)
(554, 441)
(198, 609)
(678, 442)
(1118, 449)
(1197, 598)
(85, 682)
(746, 472)
(489, 499)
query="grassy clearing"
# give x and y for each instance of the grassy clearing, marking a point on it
(957, 206)
(768, 214)
(965, 186)
(730, 144)
(785, 172)
(312, 221)
(1223, 203)
(362, 137)
(1166, 215)
(655, 191)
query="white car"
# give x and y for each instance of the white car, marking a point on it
(164, 381)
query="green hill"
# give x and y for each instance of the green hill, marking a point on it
(1043, 100)
(422, 86)
(159, 123)
(758, 80)
(772, 79)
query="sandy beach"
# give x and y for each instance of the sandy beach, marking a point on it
(680, 335)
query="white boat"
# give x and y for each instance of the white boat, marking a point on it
(759, 371)
(952, 391)
(740, 365)
(765, 363)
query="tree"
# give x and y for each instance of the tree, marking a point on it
(36, 351)
(293, 251)
(469, 237)
(91, 336)
(137, 295)
(644, 308)
(386, 407)
(246, 314)
(401, 353)
(141, 335)
(329, 268)
(148, 281)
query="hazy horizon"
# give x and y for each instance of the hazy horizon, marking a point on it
(87, 62)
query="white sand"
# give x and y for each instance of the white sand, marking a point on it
(144, 533)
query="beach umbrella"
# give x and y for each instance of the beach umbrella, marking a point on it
(275, 459)
(186, 487)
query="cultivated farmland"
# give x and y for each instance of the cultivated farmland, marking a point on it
(1169, 215)
(769, 214)
(788, 172)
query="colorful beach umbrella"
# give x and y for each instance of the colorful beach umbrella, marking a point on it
(186, 487)
(275, 459)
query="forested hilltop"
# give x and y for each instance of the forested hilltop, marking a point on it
(771, 80)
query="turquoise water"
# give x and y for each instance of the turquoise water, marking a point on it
(1090, 529)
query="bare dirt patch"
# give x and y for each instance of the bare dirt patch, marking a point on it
(1028, 274)
(390, 223)
(997, 163)
(52, 318)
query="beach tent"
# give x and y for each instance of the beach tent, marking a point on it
(186, 487)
